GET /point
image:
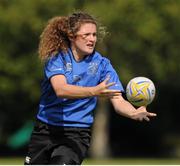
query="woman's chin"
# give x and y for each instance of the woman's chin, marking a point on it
(89, 51)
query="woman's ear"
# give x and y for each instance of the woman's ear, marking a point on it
(71, 38)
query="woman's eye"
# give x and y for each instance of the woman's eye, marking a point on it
(85, 35)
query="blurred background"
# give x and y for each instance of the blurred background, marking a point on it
(143, 40)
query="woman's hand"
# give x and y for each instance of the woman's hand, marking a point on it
(141, 114)
(102, 90)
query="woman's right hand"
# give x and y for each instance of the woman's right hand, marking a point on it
(102, 90)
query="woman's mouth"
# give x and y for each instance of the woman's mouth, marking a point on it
(91, 46)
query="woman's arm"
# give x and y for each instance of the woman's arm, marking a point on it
(126, 109)
(64, 90)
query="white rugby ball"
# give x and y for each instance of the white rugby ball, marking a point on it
(140, 91)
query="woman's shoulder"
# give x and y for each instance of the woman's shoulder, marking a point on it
(101, 57)
(59, 56)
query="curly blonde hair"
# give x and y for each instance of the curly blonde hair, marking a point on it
(58, 32)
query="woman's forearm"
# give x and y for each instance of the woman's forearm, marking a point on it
(72, 91)
(123, 107)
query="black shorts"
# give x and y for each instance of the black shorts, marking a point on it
(57, 145)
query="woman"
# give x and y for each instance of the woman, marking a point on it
(74, 76)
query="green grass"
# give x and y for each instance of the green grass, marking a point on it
(113, 161)
(11, 161)
(131, 161)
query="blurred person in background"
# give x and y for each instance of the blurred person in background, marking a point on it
(74, 76)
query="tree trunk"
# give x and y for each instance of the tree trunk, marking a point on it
(100, 135)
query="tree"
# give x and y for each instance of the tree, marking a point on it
(21, 23)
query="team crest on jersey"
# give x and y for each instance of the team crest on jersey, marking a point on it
(68, 66)
(92, 68)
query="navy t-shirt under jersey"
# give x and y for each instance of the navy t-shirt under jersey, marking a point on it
(89, 72)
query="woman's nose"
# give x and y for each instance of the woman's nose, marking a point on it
(92, 37)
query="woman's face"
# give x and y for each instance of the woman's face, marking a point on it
(85, 40)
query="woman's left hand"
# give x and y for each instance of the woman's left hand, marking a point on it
(141, 114)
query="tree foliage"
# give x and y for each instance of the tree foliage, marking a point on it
(144, 37)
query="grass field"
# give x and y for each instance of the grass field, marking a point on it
(114, 161)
